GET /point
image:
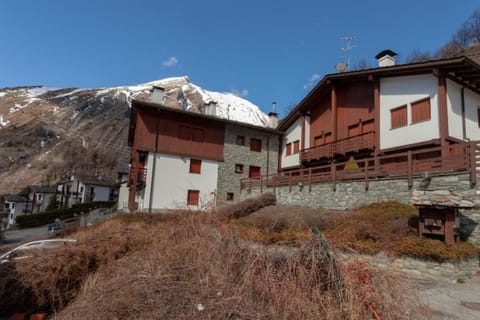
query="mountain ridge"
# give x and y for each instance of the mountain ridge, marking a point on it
(48, 133)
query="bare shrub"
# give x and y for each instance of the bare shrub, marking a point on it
(247, 206)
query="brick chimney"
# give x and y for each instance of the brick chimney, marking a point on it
(386, 58)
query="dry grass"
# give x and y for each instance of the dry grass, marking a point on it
(182, 268)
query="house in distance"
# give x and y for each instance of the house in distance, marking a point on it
(185, 159)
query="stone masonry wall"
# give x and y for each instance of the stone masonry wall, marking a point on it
(228, 179)
(353, 194)
(418, 268)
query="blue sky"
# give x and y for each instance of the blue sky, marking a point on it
(263, 50)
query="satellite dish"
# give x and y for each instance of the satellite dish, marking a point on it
(341, 67)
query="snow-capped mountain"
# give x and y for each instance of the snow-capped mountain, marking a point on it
(47, 132)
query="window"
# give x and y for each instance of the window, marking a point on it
(296, 146)
(39, 197)
(255, 145)
(399, 117)
(254, 172)
(195, 166)
(192, 197)
(240, 140)
(421, 110)
(239, 168)
(229, 196)
(81, 189)
(288, 149)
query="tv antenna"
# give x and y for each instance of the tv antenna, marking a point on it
(346, 49)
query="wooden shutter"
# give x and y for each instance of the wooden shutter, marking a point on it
(421, 110)
(399, 117)
(254, 172)
(195, 166)
(288, 149)
(296, 146)
(255, 145)
(192, 197)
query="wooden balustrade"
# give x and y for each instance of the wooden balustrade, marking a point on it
(462, 157)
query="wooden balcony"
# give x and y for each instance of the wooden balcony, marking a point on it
(363, 141)
(462, 157)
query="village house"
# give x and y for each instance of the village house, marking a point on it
(182, 159)
(393, 120)
(82, 189)
(11, 206)
(38, 197)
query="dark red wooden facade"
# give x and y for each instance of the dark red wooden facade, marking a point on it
(158, 129)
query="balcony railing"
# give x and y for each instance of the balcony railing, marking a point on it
(140, 176)
(343, 146)
(463, 157)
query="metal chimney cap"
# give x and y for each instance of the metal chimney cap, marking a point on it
(386, 52)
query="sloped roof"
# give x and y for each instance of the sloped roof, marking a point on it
(462, 69)
(14, 198)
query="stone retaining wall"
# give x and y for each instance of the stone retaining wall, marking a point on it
(353, 194)
(447, 271)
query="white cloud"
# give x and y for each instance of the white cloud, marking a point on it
(170, 62)
(239, 93)
(313, 79)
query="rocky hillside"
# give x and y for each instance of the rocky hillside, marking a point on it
(46, 133)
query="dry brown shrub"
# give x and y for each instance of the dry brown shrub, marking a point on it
(247, 206)
(189, 264)
(185, 269)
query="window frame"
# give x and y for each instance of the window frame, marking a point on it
(195, 166)
(288, 149)
(250, 171)
(415, 108)
(230, 196)
(396, 109)
(240, 141)
(296, 147)
(193, 197)
(238, 166)
(255, 145)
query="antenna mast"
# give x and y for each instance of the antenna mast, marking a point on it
(349, 47)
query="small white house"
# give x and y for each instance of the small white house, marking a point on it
(12, 206)
(79, 189)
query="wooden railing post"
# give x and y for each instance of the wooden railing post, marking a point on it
(274, 181)
(333, 170)
(310, 180)
(410, 168)
(261, 185)
(473, 164)
(366, 173)
(289, 182)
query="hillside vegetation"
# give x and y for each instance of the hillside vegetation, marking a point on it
(200, 266)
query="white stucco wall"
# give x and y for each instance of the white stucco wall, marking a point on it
(398, 91)
(123, 193)
(101, 193)
(472, 103)
(293, 133)
(173, 180)
(454, 106)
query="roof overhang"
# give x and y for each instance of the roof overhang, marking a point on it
(460, 69)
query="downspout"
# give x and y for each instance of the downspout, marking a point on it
(152, 180)
(464, 127)
(268, 156)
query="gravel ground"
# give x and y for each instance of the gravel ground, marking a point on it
(452, 300)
